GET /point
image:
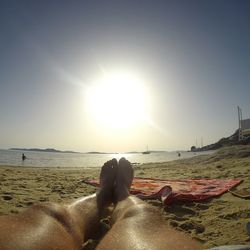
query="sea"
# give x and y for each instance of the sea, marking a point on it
(85, 160)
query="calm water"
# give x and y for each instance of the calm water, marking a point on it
(44, 159)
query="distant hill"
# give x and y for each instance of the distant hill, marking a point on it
(223, 142)
(51, 150)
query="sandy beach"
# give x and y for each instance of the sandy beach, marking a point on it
(218, 221)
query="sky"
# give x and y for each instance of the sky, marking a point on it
(119, 76)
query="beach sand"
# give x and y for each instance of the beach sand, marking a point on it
(218, 221)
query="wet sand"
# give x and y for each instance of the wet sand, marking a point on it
(218, 221)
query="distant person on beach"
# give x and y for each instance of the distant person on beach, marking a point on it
(135, 224)
(23, 157)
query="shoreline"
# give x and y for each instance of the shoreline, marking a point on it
(218, 221)
(63, 160)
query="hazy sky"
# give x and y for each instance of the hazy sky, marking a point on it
(192, 59)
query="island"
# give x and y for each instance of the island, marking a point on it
(50, 150)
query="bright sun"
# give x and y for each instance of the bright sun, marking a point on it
(118, 100)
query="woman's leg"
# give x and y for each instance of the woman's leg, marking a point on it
(138, 225)
(52, 226)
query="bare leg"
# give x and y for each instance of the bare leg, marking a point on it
(49, 226)
(138, 225)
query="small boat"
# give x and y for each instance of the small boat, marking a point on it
(146, 152)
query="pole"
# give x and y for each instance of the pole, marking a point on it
(239, 118)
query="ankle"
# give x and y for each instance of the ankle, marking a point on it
(103, 198)
(121, 192)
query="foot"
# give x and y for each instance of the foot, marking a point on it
(107, 180)
(124, 178)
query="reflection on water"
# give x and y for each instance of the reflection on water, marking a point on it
(46, 159)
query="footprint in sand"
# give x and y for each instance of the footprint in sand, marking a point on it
(180, 211)
(39, 179)
(22, 186)
(199, 239)
(7, 197)
(19, 205)
(202, 206)
(173, 223)
(191, 225)
(42, 199)
(236, 215)
(176, 218)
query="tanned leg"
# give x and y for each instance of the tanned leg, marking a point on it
(50, 226)
(138, 225)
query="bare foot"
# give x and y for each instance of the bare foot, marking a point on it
(124, 178)
(107, 180)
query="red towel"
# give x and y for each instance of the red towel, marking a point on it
(178, 190)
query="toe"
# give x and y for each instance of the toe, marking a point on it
(114, 163)
(108, 172)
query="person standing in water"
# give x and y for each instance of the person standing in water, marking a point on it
(23, 157)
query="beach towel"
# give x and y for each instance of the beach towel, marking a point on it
(169, 191)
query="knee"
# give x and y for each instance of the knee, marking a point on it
(54, 211)
(140, 210)
(51, 209)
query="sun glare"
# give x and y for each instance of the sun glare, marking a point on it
(117, 100)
